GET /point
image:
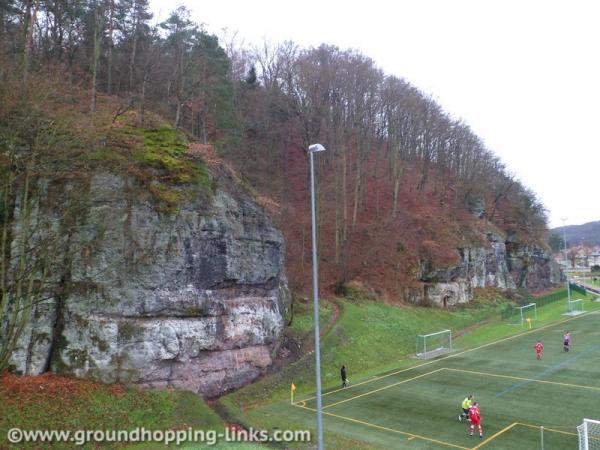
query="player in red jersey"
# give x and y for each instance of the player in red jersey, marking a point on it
(539, 349)
(475, 417)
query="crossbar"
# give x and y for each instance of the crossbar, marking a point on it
(434, 334)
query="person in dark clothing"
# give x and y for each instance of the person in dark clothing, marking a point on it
(344, 377)
(566, 341)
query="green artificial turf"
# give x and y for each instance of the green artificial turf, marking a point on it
(409, 413)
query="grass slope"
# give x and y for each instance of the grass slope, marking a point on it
(50, 402)
(367, 338)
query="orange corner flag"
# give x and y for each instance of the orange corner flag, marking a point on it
(293, 387)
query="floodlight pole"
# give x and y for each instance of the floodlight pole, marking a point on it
(566, 263)
(312, 149)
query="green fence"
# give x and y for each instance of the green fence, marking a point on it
(539, 301)
(577, 288)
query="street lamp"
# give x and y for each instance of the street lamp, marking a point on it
(312, 149)
(564, 220)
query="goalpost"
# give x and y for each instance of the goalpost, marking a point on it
(574, 307)
(589, 434)
(522, 313)
(433, 344)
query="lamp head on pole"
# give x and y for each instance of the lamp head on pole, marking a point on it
(314, 148)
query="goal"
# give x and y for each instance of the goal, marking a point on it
(434, 344)
(574, 307)
(522, 313)
(589, 434)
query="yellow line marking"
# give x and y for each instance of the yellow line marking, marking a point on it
(557, 383)
(304, 407)
(548, 429)
(383, 388)
(375, 378)
(410, 435)
(411, 438)
(453, 355)
(350, 419)
(494, 436)
(520, 424)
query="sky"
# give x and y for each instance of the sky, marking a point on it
(524, 74)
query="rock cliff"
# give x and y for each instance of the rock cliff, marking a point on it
(503, 262)
(195, 299)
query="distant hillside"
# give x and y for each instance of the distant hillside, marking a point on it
(588, 233)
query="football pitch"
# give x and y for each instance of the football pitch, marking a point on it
(418, 407)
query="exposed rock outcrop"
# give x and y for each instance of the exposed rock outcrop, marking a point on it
(195, 299)
(503, 262)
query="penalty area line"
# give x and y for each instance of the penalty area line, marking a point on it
(392, 430)
(383, 388)
(529, 380)
(494, 436)
(410, 436)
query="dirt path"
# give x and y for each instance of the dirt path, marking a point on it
(305, 350)
(471, 328)
(333, 319)
(309, 348)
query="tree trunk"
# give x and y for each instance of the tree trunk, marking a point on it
(2, 43)
(397, 173)
(142, 102)
(338, 213)
(132, 56)
(376, 182)
(96, 57)
(180, 87)
(424, 174)
(395, 197)
(357, 181)
(17, 300)
(109, 56)
(204, 128)
(30, 17)
(344, 197)
(177, 116)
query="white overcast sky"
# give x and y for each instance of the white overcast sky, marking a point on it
(524, 74)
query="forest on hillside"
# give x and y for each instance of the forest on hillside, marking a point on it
(401, 181)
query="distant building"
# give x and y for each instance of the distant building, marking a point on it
(579, 258)
(564, 264)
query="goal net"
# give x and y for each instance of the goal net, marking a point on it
(521, 314)
(434, 344)
(574, 307)
(589, 434)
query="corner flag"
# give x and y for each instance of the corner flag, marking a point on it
(292, 389)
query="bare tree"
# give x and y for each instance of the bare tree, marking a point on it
(97, 28)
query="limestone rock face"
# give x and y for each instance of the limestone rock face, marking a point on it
(195, 299)
(503, 263)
